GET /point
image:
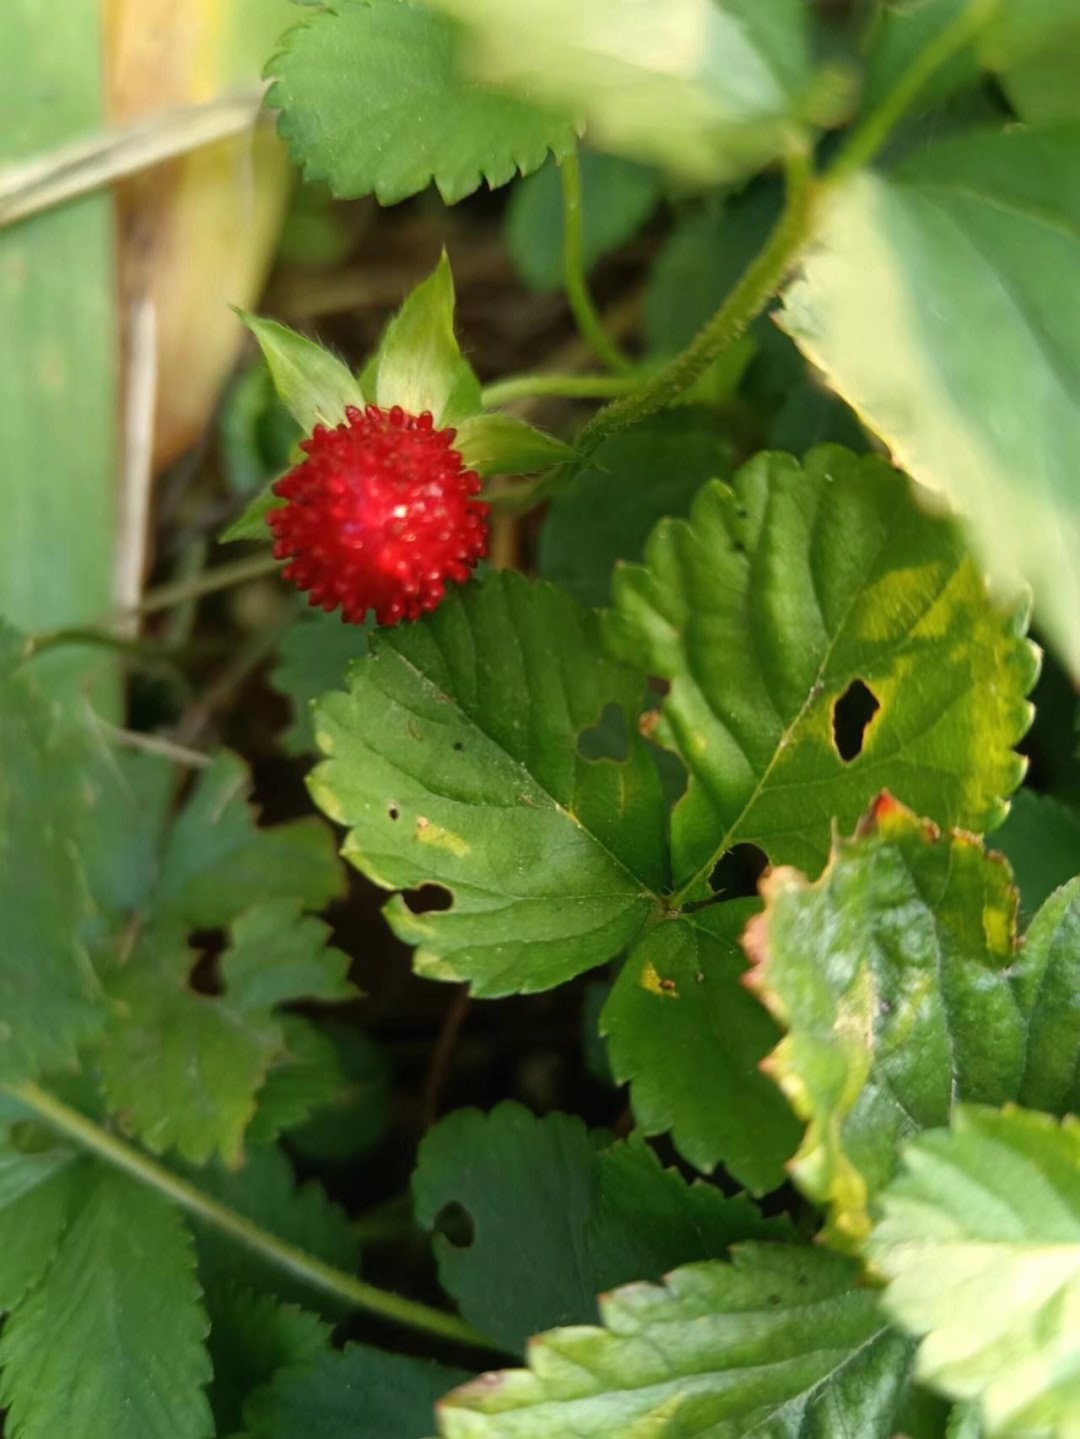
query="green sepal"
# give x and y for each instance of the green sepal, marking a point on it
(503, 445)
(314, 385)
(250, 523)
(418, 364)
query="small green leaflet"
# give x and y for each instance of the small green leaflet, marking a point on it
(453, 760)
(559, 1215)
(372, 101)
(763, 610)
(109, 1343)
(980, 1240)
(252, 1336)
(895, 977)
(938, 300)
(778, 1341)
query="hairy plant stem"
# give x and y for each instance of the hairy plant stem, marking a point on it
(577, 293)
(88, 1135)
(563, 387)
(759, 282)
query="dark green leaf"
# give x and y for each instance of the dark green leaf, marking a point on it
(109, 1345)
(372, 101)
(38, 1190)
(356, 1115)
(784, 593)
(257, 433)
(313, 655)
(252, 1337)
(617, 198)
(1041, 841)
(778, 1342)
(554, 1219)
(453, 760)
(1048, 986)
(894, 977)
(683, 1029)
(303, 1079)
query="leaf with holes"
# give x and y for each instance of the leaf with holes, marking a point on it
(184, 1067)
(372, 101)
(453, 760)
(894, 976)
(980, 1240)
(109, 1343)
(779, 595)
(555, 1216)
(779, 1341)
(686, 1034)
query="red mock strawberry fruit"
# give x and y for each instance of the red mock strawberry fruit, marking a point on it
(379, 516)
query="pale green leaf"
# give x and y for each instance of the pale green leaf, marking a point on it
(109, 1344)
(980, 1241)
(894, 977)
(777, 1343)
(782, 592)
(314, 385)
(503, 445)
(937, 298)
(554, 1219)
(688, 1036)
(711, 90)
(418, 364)
(372, 101)
(453, 760)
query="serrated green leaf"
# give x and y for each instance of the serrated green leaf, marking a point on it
(778, 1342)
(765, 608)
(555, 1219)
(683, 1030)
(49, 993)
(893, 975)
(714, 91)
(980, 1241)
(453, 760)
(418, 364)
(218, 863)
(910, 272)
(109, 1345)
(314, 385)
(356, 1116)
(503, 445)
(1041, 840)
(250, 523)
(654, 469)
(183, 1068)
(357, 1393)
(617, 198)
(252, 1337)
(372, 102)
(303, 1079)
(37, 1194)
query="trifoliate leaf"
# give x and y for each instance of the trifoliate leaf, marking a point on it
(655, 469)
(712, 90)
(503, 445)
(937, 299)
(554, 1219)
(314, 385)
(218, 862)
(372, 100)
(1041, 841)
(893, 975)
(980, 1240)
(49, 994)
(777, 1342)
(183, 1067)
(789, 596)
(418, 364)
(109, 1345)
(683, 1030)
(354, 1393)
(617, 197)
(453, 760)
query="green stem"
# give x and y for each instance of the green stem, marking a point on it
(871, 133)
(569, 387)
(759, 282)
(221, 577)
(84, 1132)
(581, 305)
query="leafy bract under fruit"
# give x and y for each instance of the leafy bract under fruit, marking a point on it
(980, 1239)
(453, 760)
(778, 1341)
(372, 102)
(782, 594)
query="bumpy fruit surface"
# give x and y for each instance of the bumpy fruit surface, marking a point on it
(379, 516)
